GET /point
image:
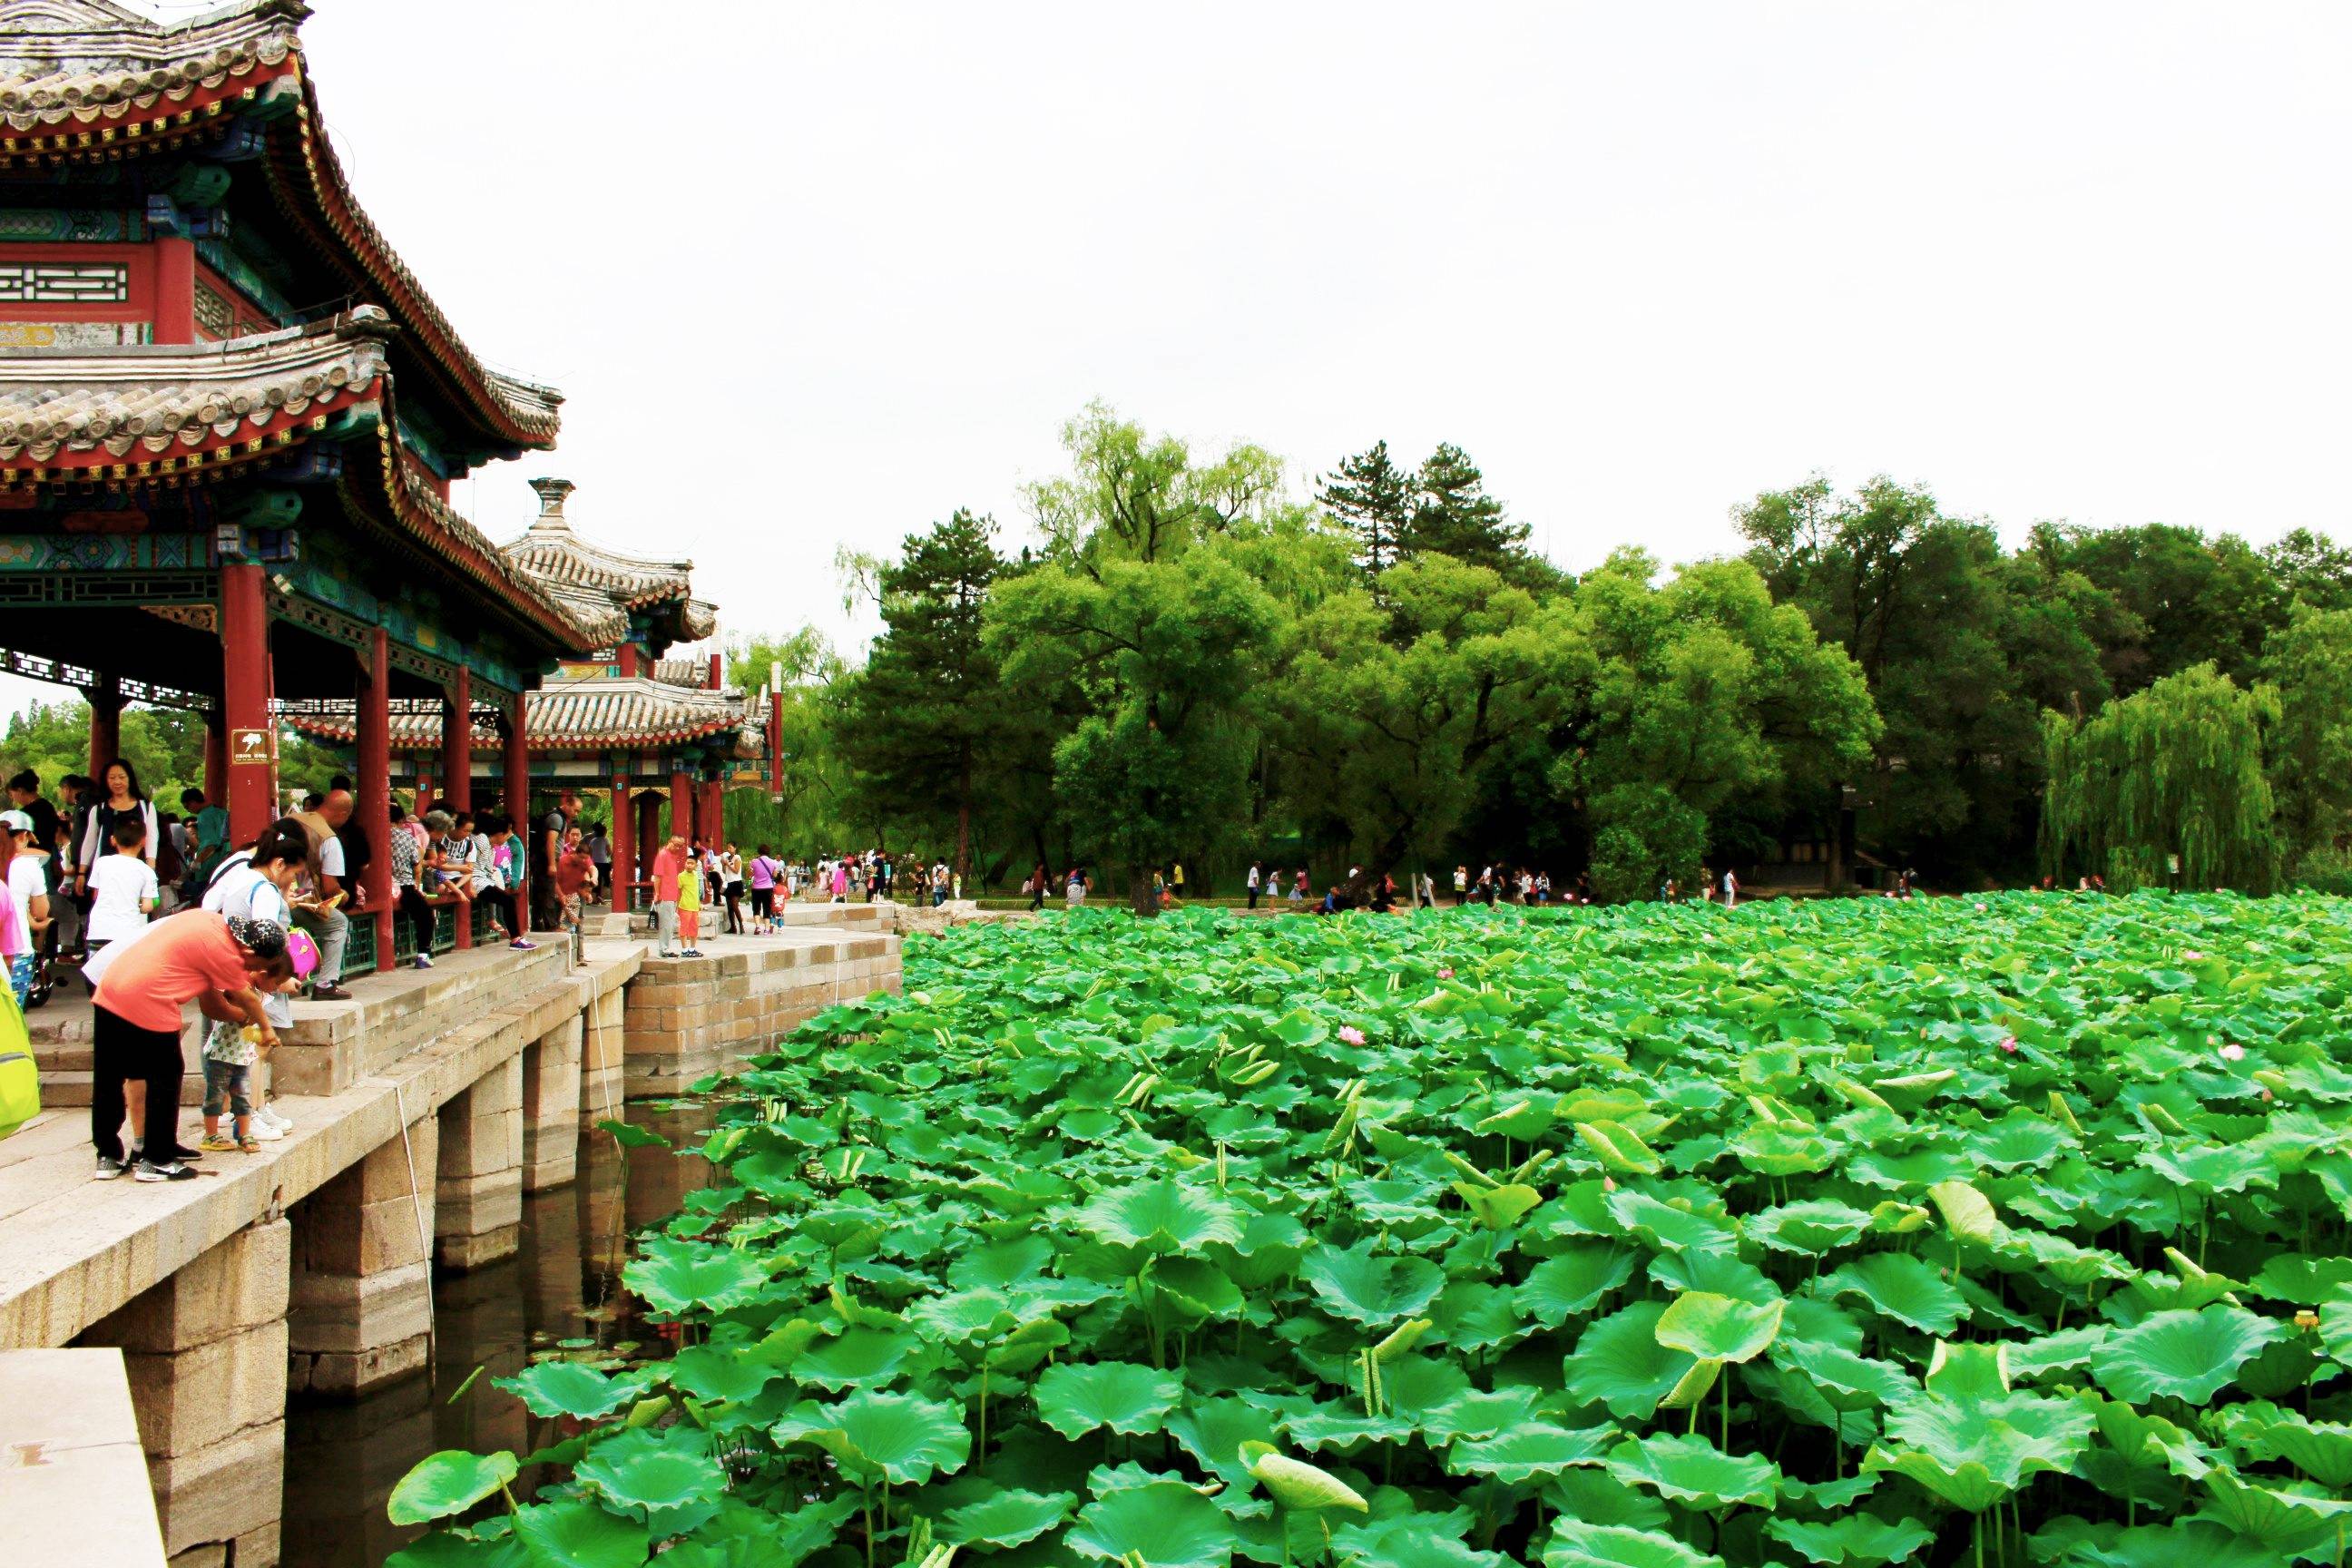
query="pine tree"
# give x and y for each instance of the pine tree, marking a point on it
(1375, 498)
(922, 713)
(1453, 515)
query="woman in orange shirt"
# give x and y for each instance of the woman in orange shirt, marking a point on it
(202, 957)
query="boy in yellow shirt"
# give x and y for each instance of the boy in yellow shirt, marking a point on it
(690, 908)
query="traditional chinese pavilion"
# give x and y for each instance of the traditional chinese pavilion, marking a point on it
(624, 719)
(229, 419)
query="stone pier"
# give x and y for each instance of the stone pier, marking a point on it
(688, 1018)
(206, 1355)
(362, 1292)
(478, 1216)
(551, 1107)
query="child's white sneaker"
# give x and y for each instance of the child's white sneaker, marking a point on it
(266, 1132)
(269, 1115)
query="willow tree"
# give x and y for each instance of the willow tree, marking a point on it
(2175, 770)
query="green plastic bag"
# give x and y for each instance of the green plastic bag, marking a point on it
(20, 1075)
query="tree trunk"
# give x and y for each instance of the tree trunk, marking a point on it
(1139, 893)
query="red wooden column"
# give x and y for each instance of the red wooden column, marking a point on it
(245, 700)
(105, 727)
(710, 812)
(458, 771)
(215, 758)
(372, 803)
(622, 837)
(457, 742)
(648, 832)
(176, 289)
(681, 806)
(518, 804)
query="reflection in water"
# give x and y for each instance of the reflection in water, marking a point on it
(343, 1457)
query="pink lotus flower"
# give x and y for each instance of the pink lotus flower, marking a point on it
(2191, 956)
(2266, 1093)
(2010, 1045)
(1982, 907)
(2233, 1052)
(1445, 974)
(1352, 1035)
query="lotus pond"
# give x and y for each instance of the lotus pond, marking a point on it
(2010, 1230)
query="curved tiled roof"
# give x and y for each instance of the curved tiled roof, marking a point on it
(582, 573)
(74, 64)
(90, 79)
(597, 713)
(78, 409)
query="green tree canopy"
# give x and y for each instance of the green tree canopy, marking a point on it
(2174, 771)
(1143, 621)
(921, 718)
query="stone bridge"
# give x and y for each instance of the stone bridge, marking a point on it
(423, 1111)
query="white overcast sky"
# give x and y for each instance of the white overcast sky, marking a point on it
(811, 275)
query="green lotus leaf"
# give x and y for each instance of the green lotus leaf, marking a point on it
(901, 1438)
(2292, 1277)
(639, 1471)
(2320, 1449)
(1813, 1227)
(1529, 1450)
(1075, 1399)
(1412, 1540)
(1900, 1285)
(1691, 1470)
(2226, 1168)
(1968, 1483)
(1967, 1213)
(1365, 1287)
(1716, 1274)
(573, 1534)
(2019, 1141)
(1855, 1540)
(1719, 1328)
(2188, 1356)
(1572, 1281)
(1973, 1451)
(1006, 1519)
(568, 1388)
(1668, 1229)
(2146, 1440)
(1213, 1431)
(1618, 1363)
(1165, 1523)
(721, 1373)
(1161, 1216)
(962, 1315)
(447, 1483)
(1618, 1147)
(2284, 1518)
(1596, 1497)
(695, 1278)
(1498, 1209)
(1196, 1288)
(1577, 1544)
(856, 1356)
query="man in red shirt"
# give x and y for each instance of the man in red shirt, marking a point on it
(201, 957)
(668, 861)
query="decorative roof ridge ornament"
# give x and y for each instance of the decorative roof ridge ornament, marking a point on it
(551, 518)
